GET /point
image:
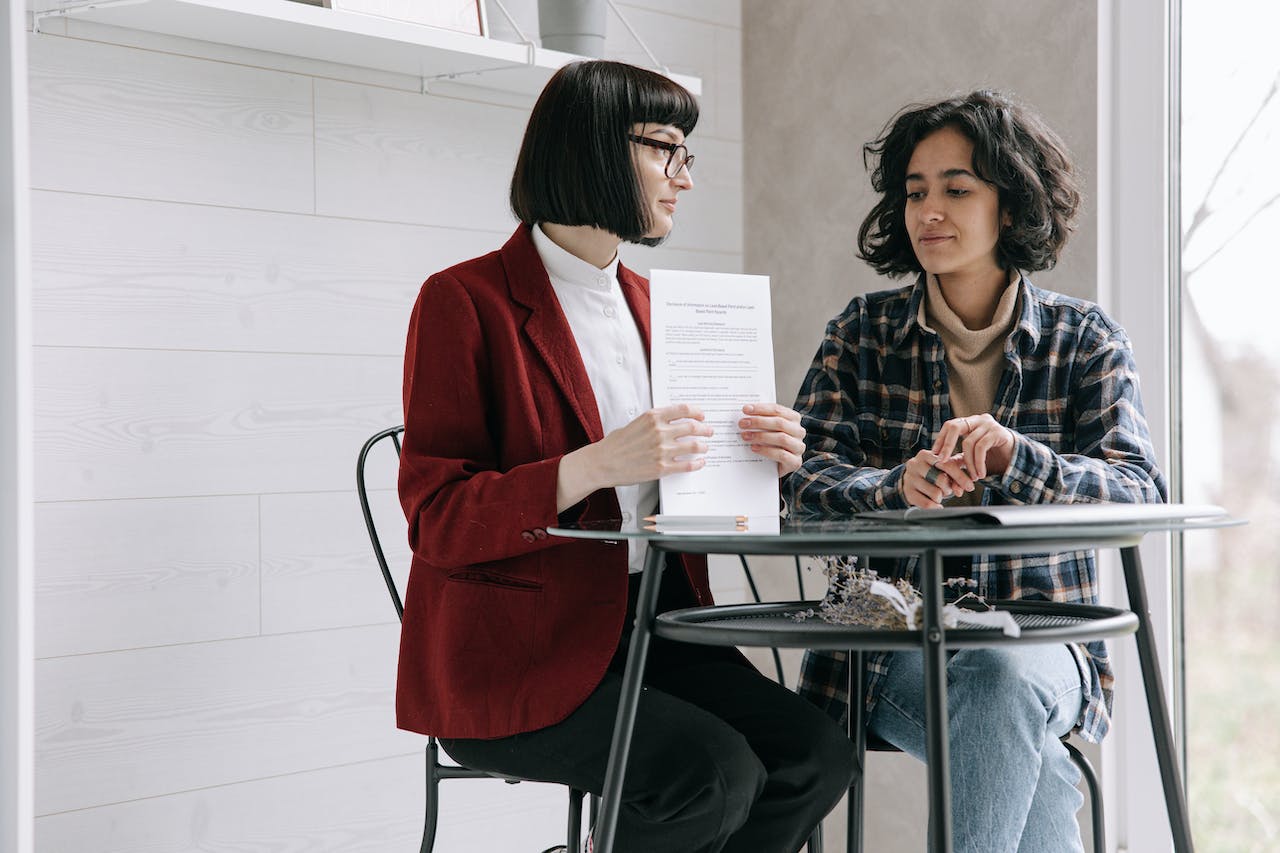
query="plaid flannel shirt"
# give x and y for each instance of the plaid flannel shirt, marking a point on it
(877, 394)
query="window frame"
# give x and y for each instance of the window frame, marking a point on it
(1138, 264)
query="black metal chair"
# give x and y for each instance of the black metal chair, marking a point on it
(437, 772)
(815, 840)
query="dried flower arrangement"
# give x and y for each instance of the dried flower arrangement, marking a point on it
(857, 596)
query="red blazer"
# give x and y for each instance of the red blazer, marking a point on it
(506, 629)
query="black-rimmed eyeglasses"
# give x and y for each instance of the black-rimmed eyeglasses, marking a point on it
(678, 157)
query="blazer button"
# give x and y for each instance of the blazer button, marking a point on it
(527, 536)
(540, 533)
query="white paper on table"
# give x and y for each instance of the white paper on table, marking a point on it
(712, 346)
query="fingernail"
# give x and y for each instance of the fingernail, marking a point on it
(748, 408)
(745, 422)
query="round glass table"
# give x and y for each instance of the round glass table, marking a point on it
(774, 624)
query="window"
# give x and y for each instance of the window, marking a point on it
(1230, 427)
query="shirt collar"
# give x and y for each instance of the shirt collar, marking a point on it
(565, 266)
(1027, 318)
(911, 322)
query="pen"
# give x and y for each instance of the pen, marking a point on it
(696, 520)
(696, 528)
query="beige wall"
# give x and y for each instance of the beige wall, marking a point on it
(822, 77)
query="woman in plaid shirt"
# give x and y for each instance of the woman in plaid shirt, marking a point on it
(972, 385)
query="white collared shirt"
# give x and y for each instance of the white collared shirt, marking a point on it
(612, 350)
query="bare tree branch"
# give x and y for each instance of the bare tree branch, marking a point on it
(1203, 210)
(1233, 235)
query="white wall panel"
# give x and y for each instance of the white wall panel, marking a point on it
(642, 259)
(726, 13)
(727, 98)
(318, 568)
(137, 423)
(227, 246)
(690, 48)
(116, 272)
(119, 121)
(17, 558)
(371, 807)
(709, 217)
(125, 574)
(126, 725)
(403, 157)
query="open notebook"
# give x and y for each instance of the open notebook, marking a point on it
(1043, 515)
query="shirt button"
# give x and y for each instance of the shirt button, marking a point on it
(1016, 488)
(602, 280)
(620, 359)
(937, 384)
(631, 412)
(609, 311)
(626, 516)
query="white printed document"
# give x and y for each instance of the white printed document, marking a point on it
(712, 346)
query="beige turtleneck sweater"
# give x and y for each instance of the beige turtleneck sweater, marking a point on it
(975, 357)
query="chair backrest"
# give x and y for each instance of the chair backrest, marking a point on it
(391, 434)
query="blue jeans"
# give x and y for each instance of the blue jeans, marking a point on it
(1013, 785)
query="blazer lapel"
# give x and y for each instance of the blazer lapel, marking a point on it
(636, 291)
(548, 329)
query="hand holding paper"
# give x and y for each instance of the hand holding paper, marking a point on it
(658, 442)
(774, 431)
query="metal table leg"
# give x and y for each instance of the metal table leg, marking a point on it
(935, 704)
(1161, 726)
(857, 734)
(628, 701)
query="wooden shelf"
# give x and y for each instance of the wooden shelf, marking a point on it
(349, 38)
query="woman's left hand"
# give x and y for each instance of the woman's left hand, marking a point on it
(987, 446)
(774, 432)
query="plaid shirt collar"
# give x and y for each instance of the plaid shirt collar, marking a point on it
(1025, 336)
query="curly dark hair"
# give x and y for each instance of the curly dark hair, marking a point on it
(1013, 150)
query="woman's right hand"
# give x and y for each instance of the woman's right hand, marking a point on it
(669, 440)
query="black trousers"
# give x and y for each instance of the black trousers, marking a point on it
(722, 758)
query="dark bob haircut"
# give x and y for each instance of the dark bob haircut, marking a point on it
(576, 165)
(1013, 150)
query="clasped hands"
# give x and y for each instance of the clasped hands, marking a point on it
(965, 451)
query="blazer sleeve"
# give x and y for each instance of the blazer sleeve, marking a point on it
(461, 507)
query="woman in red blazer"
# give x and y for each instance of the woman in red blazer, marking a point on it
(526, 396)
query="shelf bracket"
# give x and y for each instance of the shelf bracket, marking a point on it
(635, 35)
(524, 39)
(529, 46)
(530, 55)
(71, 8)
(454, 75)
